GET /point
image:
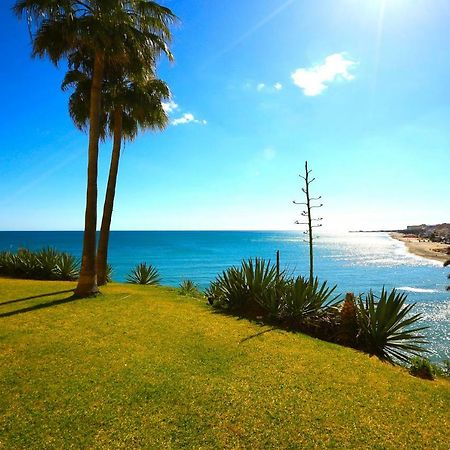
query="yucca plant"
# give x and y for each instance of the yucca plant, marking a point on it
(188, 287)
(214, 294)
(304, 299)
(230, 289)
(48, 259)
(260, 276)
(385, 327)
(144, 274)
(8, 263)
(25, 264)
(67, 267)
(109, 272)
(45, 264)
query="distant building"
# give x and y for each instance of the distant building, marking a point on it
(416, 228)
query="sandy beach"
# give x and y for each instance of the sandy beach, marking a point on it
(423, 248)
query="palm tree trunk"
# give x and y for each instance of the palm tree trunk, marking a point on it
(102, 254)
(87, 283)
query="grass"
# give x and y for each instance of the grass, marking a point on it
(144, 367)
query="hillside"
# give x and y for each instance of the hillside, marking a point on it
(142, 367)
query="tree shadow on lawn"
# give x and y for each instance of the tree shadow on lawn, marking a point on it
(8, 302)
(40, 305)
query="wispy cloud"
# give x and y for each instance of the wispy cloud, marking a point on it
(269, 88)
(187, 118)
(314, 80)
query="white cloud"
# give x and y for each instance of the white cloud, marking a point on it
(260, 87)
(170, 106)
(314, 80)
(187, 118)
(278, 86)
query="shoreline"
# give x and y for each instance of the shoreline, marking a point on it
(423, 248)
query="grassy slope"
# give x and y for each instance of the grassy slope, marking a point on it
(143, 367)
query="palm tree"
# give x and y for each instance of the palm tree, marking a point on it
(128, 107)
(106, 32)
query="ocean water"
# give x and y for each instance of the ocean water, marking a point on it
(356, 262)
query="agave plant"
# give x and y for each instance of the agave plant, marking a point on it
(144, 274)
(230, 288)
(385, 327)
(304, 299)
(214, 294)
(67, 268)
(188, 287)
(109, 272)
(8, 263)
(260, 276)
(48, 259)
(25, 264)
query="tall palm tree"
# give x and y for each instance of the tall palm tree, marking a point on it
(129, 106)
(106, 31)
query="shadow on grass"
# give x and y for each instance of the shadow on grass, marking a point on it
(61, 301)
(261, 321)
(257, 334)
(9, 302)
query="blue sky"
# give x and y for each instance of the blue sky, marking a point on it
(360, 89)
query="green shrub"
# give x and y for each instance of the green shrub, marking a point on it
(67, 267)
(45, 264)
(229, 289)
(144, 274)
(188, 287)
(109, 272)
(250, 288)
(256, 288)
(385, 327)
(422, 368)
(303, 300)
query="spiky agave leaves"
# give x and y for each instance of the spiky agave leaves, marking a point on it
(144, 273)
(67, 267)
(45, 264)
(230, 288)
(304, 299)
(385, 326)
(189, 288)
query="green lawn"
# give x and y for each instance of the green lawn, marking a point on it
(143, 367)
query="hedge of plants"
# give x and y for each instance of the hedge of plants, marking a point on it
(382, 325)
(45, 264)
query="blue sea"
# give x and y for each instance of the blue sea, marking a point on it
(356, 262)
